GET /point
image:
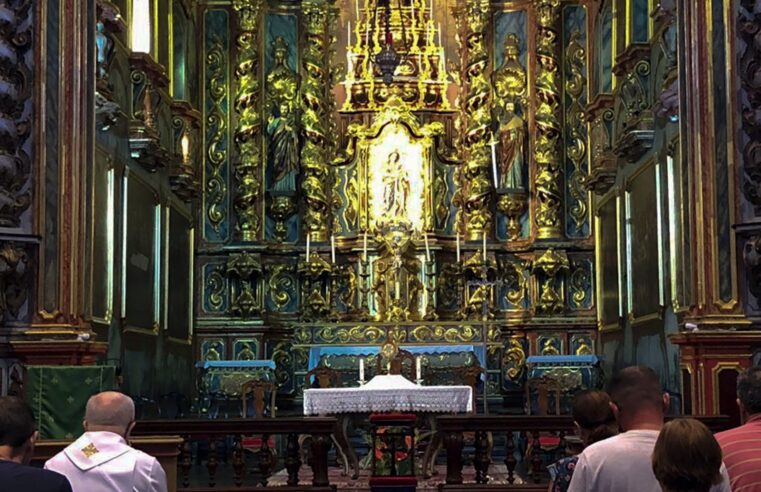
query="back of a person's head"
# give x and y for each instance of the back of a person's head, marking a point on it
(749, 390)
(591, 411)
(686, 457)
(636, 388)
(109, 411)
(16, 422)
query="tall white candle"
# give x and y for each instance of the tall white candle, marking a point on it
(484, 246)
(361, 368)
(493, 145)
(458, 247)
(431, 7)
(427, 249)
(418, 368)
(397, 288)
(309, 238)
(412, 7)
(333, 248)
(364, 247)
(356, 8)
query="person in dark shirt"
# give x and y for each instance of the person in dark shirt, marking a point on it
(17, 438)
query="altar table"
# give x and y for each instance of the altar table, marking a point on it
(387, 393)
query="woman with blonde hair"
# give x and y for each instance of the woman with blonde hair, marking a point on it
(594, 421)
(687, 458)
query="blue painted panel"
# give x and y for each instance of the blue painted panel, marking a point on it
(641, 19)
(606, 52)
(216, 29)
(721, 137)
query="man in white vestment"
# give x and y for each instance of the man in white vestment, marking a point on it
(101, 460)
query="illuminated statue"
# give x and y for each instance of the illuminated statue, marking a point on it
(283, 149)
(396, 187)
(512, 139)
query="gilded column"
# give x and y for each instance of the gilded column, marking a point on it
(314, 153)
(247, 201)
(547, 153)
(475, 180)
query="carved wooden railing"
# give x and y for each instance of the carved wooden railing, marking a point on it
(216, 432)
(530, 428)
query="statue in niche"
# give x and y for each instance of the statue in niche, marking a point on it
(396, 187)
(510, 88)
(283, 154)
(512, 142)
(282, 131)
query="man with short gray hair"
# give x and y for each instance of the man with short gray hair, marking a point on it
(101, 459)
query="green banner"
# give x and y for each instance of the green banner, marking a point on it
(59, 394)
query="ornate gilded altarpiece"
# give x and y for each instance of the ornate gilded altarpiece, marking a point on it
(447, 208)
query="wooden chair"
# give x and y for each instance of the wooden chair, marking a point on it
(543, 386)
(547, 390)
(324, 377)
(466, 376)
(469, 376)
(257, 407)
(398, 364)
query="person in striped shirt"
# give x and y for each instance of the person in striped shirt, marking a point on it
(742, 446)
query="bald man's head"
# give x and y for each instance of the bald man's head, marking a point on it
(110, 411)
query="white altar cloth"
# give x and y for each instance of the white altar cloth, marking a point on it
(389, 393)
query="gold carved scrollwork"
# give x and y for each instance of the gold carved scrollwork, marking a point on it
(580, 283)
(283, 355)
(248, 132)
(356, 334)
(302, 335)
(282, 285)
(460, 334)
(576, 149)
(314, 94)
(215, 285)
(216, 126)
(516, 281)
(514, 360)
(548, 131)
(550, 346)
(474, 180)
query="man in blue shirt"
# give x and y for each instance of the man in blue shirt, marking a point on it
(17, 438)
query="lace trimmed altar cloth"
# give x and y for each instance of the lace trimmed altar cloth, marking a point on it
(389, 393)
